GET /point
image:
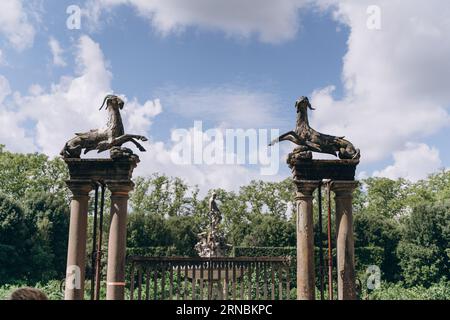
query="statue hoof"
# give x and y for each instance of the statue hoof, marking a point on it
(121, 153)
(297, 155)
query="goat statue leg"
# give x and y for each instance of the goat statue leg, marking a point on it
(283, 137)
(138, 145)
(117, 142)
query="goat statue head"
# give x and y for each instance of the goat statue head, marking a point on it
(302, 104)
(113, 101)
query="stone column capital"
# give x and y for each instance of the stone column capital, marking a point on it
(79, 187)
(344, 188)
(119, 188)
(305, 188)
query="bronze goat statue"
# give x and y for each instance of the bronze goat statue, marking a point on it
(310, 140)
(113, 136)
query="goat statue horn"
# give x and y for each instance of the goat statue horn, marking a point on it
(109, 96)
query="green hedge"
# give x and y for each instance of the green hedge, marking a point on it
(152, 251)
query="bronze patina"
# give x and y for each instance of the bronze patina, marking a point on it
(110, 138)
(310, 140)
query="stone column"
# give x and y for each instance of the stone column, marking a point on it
(345, 246)
(115, 278)
(76, 253)
(305, 239)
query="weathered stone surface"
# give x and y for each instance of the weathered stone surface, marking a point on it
(343, 170)
(345, 247)
(307, 175)
(116, 175)
(76, 253)
(309, 140)
(111, 137)
(305, 239)
(101, 169)
(212, 241)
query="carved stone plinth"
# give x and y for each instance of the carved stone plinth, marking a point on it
(102, 169)
(323, 169)
(116, 174)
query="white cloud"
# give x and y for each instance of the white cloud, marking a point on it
(70, 106)
(10, 122)
(57, 52)
(229, 177)
(395, 82)
(271, 21)
(395, 79)
(15, 25)
(5, 89)
(230, 107)
(415, 162)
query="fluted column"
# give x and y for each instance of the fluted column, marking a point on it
(115, 278)
(305, 239)
(76, 253)
(345, 244)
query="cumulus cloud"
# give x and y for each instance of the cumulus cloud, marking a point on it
(271, 21)
(15, 25)
(68, 106)
(416, 161)
(229, 106)
(57, 52)
(11, 129)
(229, 177)
(395, 79)
(5, 89)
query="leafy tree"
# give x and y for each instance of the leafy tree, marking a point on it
(50, 214)
(163, 196)
(270, 231)
(16, 241)
(386, 197)
(147, 230)
(183, 233)
(24, 174)
(378, 231)
(423, 251)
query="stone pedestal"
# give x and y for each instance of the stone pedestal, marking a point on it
(344, 239)
(307, 175)
(116, 174)
(305, 239)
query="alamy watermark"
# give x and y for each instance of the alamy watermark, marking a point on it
(374, 17)
(73, 21)
(73, 277)
(374, 278)
(226, 147)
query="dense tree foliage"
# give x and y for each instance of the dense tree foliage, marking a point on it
(410, 222)
(423, 251)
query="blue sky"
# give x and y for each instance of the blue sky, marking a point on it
(374, 86)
